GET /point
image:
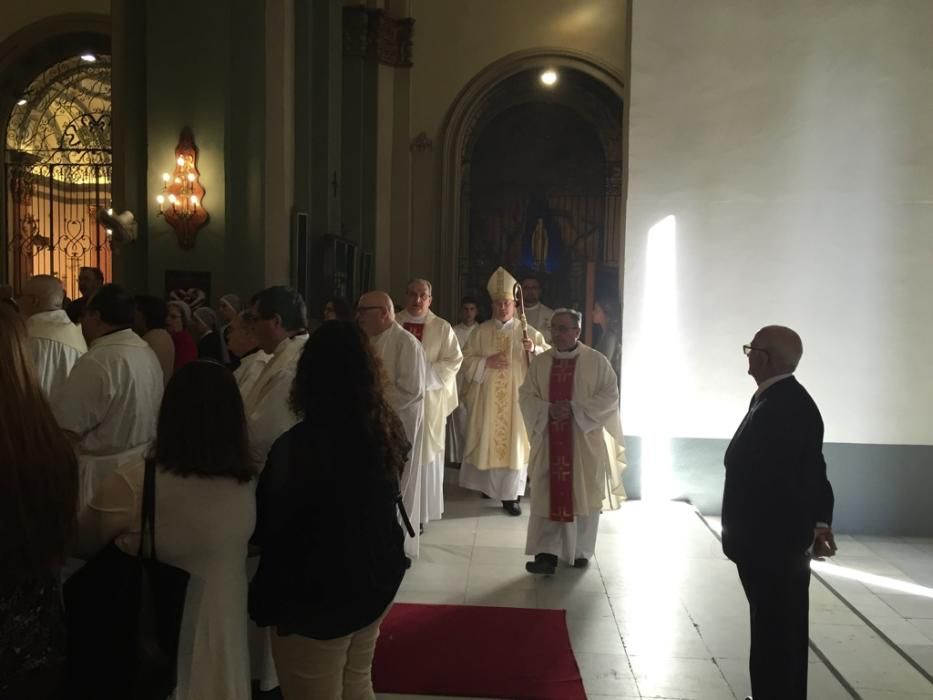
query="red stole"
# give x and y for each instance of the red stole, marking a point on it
(560, 442)
(416, 329)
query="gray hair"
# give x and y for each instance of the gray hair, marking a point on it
(47, 289)
(183, 309)
(573, 313)
(420, 280)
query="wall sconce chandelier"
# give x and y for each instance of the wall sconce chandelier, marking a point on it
(181, 201)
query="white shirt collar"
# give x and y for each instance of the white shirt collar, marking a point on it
(770, 382)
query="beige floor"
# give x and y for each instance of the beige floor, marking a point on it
(661, 614)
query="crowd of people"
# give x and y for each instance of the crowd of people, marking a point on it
(255, 422)
(296, 469)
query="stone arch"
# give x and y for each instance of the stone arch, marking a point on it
(480, 100)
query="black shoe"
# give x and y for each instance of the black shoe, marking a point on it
(512, 507)
(543, 564)
(421, 529)
(581, 563)
(407, 563)
(485, 497)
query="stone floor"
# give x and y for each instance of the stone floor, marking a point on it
(660, 612)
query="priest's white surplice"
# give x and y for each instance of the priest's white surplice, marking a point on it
(57, 343)
(495, 459)
(457, 421)
(443, 357)
(268, 411)
(404, 367)
(539, 316)
(598, 455)
(111, 398)
(251, 366)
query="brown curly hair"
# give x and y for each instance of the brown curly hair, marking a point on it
(339, 386)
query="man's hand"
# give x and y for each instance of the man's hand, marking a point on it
(498, 361)
(528, 345)
(824, 543)
(560, 410)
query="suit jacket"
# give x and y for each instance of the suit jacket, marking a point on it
(776, 487)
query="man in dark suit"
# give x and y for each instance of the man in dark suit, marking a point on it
(777, 509)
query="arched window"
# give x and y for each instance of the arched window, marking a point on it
(58, 173)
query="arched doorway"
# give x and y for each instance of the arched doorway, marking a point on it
(583, 213)
(57, 173)
(537, 202)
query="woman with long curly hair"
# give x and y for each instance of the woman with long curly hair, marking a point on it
(38, 504)
(327, 521)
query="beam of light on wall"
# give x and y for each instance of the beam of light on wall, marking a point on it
(834, 570)
(660, 353)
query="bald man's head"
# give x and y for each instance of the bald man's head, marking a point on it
(375, 312)
(775, 350)
(41, 293)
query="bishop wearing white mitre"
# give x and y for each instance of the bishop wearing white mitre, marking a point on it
(570, 403)
(495, 360)
(443, 358)
(404, 370)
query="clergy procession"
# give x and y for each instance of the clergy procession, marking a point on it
(290, 483)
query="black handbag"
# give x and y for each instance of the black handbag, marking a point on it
(123, 615)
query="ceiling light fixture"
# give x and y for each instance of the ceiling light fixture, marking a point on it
(88, 57)
(21, 102)
(549, 77)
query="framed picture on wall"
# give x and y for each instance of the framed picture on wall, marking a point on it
(191, 287)
(339, 267)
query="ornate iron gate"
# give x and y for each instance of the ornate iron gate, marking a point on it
(58, 174)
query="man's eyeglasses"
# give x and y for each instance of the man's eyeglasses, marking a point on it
(747, 349)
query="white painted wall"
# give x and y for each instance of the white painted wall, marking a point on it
(793, 143)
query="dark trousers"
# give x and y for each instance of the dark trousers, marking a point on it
(778, 593)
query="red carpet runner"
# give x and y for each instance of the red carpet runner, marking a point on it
(475, 651)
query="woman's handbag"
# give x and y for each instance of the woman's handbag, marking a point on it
(123, 614)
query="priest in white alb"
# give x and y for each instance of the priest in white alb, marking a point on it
(495, 360)
(457, 422)
(57, 343)
(443, 359)
(110, 402)
(570, 403)
(404, 369)
(536, 313)
(278, 321)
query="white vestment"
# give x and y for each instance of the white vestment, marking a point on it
(268, 417)
(539, 316)
(251, 366)
(111, 402)
(443, 359)
(112, 396)
(268, 413)
(495, 460)
(457, 422)
(57, 343)
(597, 451)
(404, 366)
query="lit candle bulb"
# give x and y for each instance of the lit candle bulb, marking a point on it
(190, 177)
(165, 177)
(177, 180)
(181, 162)
(171, 199)
(194, 202)
(161, 200)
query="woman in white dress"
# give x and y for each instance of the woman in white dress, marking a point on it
(205, 514)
